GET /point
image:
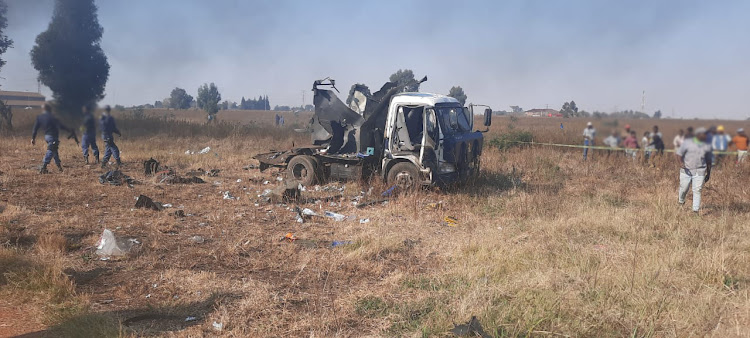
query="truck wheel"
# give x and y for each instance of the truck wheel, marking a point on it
(404, 175)
(303, 169)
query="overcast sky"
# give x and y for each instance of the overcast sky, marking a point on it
(691, 57)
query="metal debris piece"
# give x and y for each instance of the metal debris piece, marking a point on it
(146, 202)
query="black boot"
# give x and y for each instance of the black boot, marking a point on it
(59, 167)
(87, 159)
(43, 169)
(104, 164)
(118, 163)
(97, 159)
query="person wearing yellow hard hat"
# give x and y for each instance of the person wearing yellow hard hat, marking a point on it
(720, 143)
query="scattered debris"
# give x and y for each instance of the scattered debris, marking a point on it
(471, 329)
(338, 217)
(109, 245)
(179, 213)
(450, 221)
(146, 202)
(173, 178)
(340, 243)
(116, 177)
(228, 196)
(197, 239)
(213, 173)
(150, 167)
(308, 212)
(289, 237)
(167, 205)
(204, 150)
(288, 192)
(251, 166)
(218, 326)
(364, 221)
(369, 203)
(435, 206)
(390, 192)
(191, 319)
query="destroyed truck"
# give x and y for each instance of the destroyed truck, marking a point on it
(411, 139)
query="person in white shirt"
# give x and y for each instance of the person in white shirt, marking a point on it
(677, 142)
(588, 139)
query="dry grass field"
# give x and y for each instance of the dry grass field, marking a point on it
(545, 244)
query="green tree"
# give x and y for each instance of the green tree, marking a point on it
(68, 56)
(458, 94)
(569, 109)
(5, 42)
(405, 78)
(179, 99)
(6, 114)
(359, 86)
(209, 98)
(657, 114)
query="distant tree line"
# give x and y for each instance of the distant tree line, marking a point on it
(261, 103)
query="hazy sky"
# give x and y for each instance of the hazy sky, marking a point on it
(691, 57)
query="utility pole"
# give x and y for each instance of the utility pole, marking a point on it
(643, 102)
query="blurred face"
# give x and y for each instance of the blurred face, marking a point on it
(681, 132)
(701, 137)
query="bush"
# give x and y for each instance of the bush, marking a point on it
(513, 138)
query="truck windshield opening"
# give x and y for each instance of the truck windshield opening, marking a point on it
(453, 119)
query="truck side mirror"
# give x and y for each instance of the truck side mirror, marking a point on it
(487, 117)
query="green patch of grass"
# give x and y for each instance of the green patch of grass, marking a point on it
(371, 306)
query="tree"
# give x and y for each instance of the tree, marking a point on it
(405, 78)
(209, 98)
(68, 56)
(6, 114)
(569, 109)
(179, 99)
(657, 114)
(458, 94)
(362, 88)
(5, 42)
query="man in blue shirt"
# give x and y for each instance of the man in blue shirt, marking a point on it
(109, 128)
(89, 135)
(51, 127)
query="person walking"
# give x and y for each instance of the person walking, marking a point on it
(51, 127)
(677, 142)
(720, 143)
(88, 139)
(695, 166)
(109, 127)
(588, 139)
(740, 142)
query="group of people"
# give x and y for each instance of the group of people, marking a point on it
(51, 126)
(652, 142)
(697, 151)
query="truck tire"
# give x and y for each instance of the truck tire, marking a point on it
(404, 175)
(303, 169)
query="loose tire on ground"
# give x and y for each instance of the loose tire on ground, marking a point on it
(404, 175)
(303, 169)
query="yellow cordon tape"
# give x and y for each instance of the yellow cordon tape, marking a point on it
(614, 149)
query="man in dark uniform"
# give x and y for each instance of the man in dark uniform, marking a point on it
(51, 126)
(89, 135)
(109, 128)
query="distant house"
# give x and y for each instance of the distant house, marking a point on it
(542, 113)
(22, 99)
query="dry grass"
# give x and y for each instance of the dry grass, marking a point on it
(546, 245)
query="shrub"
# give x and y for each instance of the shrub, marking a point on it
(513, 138)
